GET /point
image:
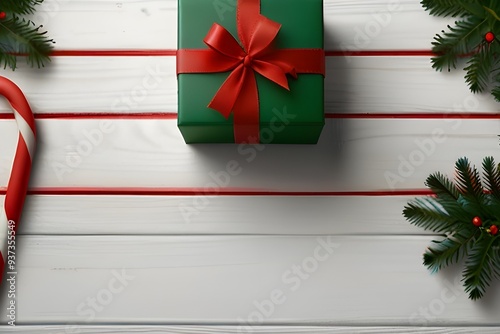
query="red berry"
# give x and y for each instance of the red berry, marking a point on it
(477, 221)
(489, 37)
(493, 229)
(2, 15)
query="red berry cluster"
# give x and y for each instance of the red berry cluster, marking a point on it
(493, 229)
(2, 15)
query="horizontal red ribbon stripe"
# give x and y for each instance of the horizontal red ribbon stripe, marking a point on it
(173, 116)
(189, 60)
(99, 115)
(84, 191)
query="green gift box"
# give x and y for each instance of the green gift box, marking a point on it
(294, 116)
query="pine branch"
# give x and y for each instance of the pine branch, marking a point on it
(480, 267)
(428, 214)
(496, 74)
(491, 208)
(496, 92)
(447, 195)
(470, 218)
(451, 8)
(449, 250)
(21, 7)
(492, 10)
(457, 42)
(469, 185)
(20, 37)
(474, 36)
(468, 180)
(442, 186)
(492, 176)
(479, 70)
(7, 59)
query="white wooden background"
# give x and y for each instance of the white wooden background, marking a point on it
(252, 258)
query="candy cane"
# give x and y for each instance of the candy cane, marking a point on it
(21, 168)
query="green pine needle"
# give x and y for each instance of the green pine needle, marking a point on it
(7, 60)
(442, 186)
(496, 91)
(451, 211)
(22, 38)
(19, 6)
(448, 196)
(492, 176)
(446, 8)
(466, 41)
(496, 80)
(481, 266)
(429, 214)
(460, 40)
(449, 250)
(468, 180)
(479, 70)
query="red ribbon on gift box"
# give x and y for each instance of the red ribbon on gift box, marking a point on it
(239, 93)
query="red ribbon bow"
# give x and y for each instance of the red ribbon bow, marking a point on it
(239, 91)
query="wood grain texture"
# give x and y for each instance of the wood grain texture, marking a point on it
(353, 154)
(322, 280)
(349, 24)
(114, 329)
(354, 85)
(192, 215)
(99, 84)
(398, 85)
(114, 24)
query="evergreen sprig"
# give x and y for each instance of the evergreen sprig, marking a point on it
(446, 8)
(20, 37)
(20, 7)
(467, 39)
(455, 210)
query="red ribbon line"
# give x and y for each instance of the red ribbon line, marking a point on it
(239, 92)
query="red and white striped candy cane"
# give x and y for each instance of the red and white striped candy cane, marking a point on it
(21, 166)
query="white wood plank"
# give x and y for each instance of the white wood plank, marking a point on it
(148, 84)
(355, 281)
(130, 329)
(99, 84)
(157, 215)
(106, 24)
(398, 85)
(353, 154)
(152, 24)
(379, 25)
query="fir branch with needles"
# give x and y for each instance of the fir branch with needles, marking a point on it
(467, 213)
(20, 37)
(474, 36)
